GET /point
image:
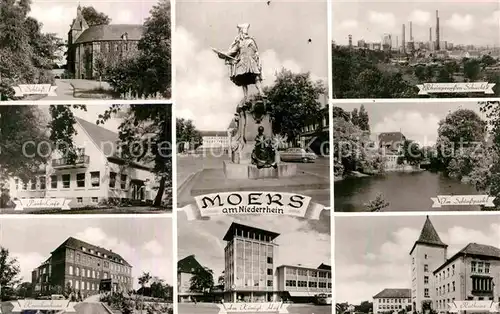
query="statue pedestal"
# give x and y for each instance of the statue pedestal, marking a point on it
(251, 116)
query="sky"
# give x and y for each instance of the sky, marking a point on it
(461, 22)
(417, 121)
(372, 253)
(145, 243)
(56, 16)
(203, 238)
(282, 31)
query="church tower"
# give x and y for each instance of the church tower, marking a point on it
(427, 254)
(77, 28)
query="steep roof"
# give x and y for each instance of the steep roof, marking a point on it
(325, 267)
(102, 137)
(393, 293)
(188, 264)
(78, 244)
(429, 236)
(113, 32)
(474, 249)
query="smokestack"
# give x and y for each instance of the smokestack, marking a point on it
(430, 34)
(350, 41)
(411, 31)
(403, 43)
(437, 30)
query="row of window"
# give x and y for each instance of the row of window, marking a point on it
(394, 300)
(81, 181)
(306, 272)
(445, 289)
(252, 283)
(108, 47)
(390, 307)
(310, 284)
(446, 273)
(95, 274)
(89, 260)
(89, 286)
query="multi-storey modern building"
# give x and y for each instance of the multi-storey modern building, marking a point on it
(250, 274)
(98, 174)
(303, 283)
(471, 274)
(390, 300)
(249, 264)
(83, 267)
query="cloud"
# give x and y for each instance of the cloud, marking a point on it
(494, 19)
(347, 24)
(204, 92)
(28, 261)
(388, 264)
(420, 17)
(384, 20)
(462, 23)
(154, 247)
(414, 125)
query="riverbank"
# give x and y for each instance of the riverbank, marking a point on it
(357, 174)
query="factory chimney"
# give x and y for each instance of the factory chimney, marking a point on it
(403, 42)
(411, 31)
(437, 30)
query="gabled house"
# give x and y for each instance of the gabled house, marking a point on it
(390, 145)
(186, 268)
(97, 175)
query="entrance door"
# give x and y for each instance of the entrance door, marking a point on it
(138, 188)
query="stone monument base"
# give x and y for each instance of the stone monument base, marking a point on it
(249, 171)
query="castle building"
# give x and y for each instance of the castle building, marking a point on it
(473, 273)
(84, 268)
(90, 47)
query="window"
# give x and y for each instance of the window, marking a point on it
(425, 256)
(269, 260)
(78, 271)
(112, 179)
(269, 283)
(80, 180)
(88, 285)
(480, 267)
(426, 279)
(16, 182)
(53, 182)
(486, 268)
(33, 184)
(313, 284)
(79, 200)
(66, 181)
(453, 286)
(77, 284)
(473, 267)
(42, 183)
(95, 199)
(426, 292)
(71, 270)
(270, 271)
(95, 178)
(453, 269)
(25, 186)
(426, 268)
(88, 273)
(123, 181)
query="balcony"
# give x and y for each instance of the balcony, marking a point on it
(63, 163)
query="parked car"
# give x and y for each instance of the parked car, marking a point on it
(324, 299)
(297, 154)
(57, 297)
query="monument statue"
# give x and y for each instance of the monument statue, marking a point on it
(244, 61)
(252, 150)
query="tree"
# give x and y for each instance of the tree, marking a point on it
(26, 55)
(25, 290)
(412, 153)
(144, 280)
(93, 17)
(338, 112)
(364, 120)
(221, 280)
(377, 204)
(472, 69)
(18, 146)
(293, 102)
(202, 280)
(341, 307)
(364, 307)
(186, 132)
(355, 117)
(9, 271)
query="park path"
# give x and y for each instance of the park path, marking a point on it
(64, 91)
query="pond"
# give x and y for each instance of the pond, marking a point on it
(403, 192)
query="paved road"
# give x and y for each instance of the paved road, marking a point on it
(64, 91)
(187, 165)
(200, 308)
(90, 308)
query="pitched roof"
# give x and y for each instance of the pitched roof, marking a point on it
(105, 139)
(391, 137)
(393, 293)
(188, 264)
(473, 249)
(110, 33)
(78, 244)
(325, 267)
(429, 236)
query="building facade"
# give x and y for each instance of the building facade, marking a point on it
(390, 144)
(471, 274)
(391, 300)
(250, 275)
(186, 268)
(82, 267)
(315, 134)
(249, 264)
(90, 48)
(98, 174)
(302, 283)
